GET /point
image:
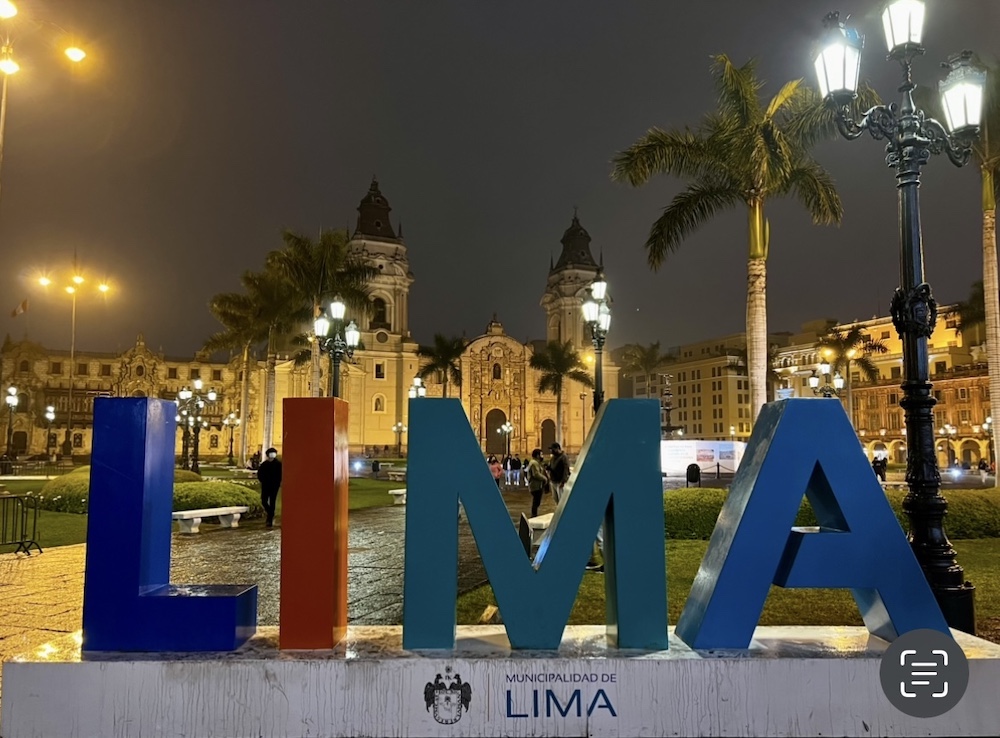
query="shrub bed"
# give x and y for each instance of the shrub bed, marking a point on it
(180, 475)
(71, 492)
(692, 513)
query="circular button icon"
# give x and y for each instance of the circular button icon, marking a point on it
(924, 673)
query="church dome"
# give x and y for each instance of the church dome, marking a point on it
(373, 216)
(575, 248)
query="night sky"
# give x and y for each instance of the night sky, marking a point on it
(194, 132)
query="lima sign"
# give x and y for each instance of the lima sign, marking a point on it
(799, 447)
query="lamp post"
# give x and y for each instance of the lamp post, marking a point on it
(828, 389)
(507, 429)
(399, 429)
(988, 430)
(417, 389)
(732, 433)
(11, 400)
(911, 138)
(50, 416)
(8, 66)
(190, 405)
(76, 282)
(948, 432)
(231, 422)
(336, 346)
(597, 314)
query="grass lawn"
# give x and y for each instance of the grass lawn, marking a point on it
(784, 606)
(64, 529)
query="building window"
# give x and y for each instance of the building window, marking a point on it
(24, 367)
(196, 374)
(893, 398)
(885, 335)
(77, 440)
(940, 367)
(216, 375)
(55, 367)
(213, 441)
(894, 423)
(172, 372)
(895, 373)
(963, 393)
(105, 370)
(140, 371)
(378, 405)
(379, 370)
(380, 314)
(497, 372)
(964, 416)
(83, 370)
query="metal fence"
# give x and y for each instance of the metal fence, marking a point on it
(19, 522)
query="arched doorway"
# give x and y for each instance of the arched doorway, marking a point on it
(879, 451)
(19, 442)
(496, 442)
(548, 433)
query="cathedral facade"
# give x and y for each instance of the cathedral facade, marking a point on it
(498, 384)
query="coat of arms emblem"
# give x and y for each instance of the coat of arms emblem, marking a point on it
(448, 694)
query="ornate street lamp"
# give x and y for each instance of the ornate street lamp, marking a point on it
(417, 389)
(948, 432)
(231, 422)
(507, 429)
(50, 416)
(597, 314)
(11, 400)
(336, 346)
(190, 404)
(911, 138)
(988, 430)
(399, 429)
(828, 389)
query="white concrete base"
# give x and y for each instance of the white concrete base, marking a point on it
(794, 681)
(398, 496)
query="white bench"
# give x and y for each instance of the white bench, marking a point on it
(190, 520)
(538, 527)
(396, 475)
(399, 496)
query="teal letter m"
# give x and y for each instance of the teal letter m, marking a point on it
(616, 479)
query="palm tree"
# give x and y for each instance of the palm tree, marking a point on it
(444, 358)
(241, 331)
(317, 271)
(741, 362)
(277, 310)
(643, 360)
(743, 153)
(557, 363)
(971, 313)
(840, 349)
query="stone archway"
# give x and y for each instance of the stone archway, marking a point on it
(496, 442)
(548, 433)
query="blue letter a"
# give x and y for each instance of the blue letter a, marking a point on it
(617, 480)
(805, 445)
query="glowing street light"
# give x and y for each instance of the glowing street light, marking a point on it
(75, 54)
(7, 9)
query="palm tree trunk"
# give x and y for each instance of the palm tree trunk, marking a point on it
(269, 392)
(444, 385)
(244, 405)
(757, 307)
(559, 417)
(757, 333)
(316, 361)
(850, 396)
(990, 293)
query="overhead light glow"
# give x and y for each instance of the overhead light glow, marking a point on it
(75, 54)
(9, 66)
(7, 9)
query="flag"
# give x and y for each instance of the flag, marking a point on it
(22, 308)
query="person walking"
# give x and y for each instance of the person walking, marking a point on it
(269, 475)
(984, 470)
(535, 476)
(558, 470)
(515, 470)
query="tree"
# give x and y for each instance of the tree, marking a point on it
(316, 272)
(241, 331)
(971, 313)
(643, 360)
(557, 363)
(445, 359)
(840, 349)
(743, 153)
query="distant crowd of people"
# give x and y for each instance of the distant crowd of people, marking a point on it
(535, 473)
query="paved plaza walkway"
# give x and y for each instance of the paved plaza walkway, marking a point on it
(42, 595)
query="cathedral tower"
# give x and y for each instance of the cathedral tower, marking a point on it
(566, 289)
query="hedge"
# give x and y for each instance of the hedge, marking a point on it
(180, 475)
(692, 513)
(70, 493)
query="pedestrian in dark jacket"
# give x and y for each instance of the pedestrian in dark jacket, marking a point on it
(269, 475)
